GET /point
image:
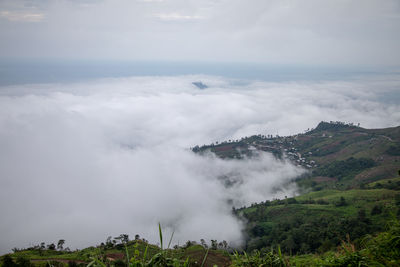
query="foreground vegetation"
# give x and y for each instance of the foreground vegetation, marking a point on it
(122, 252)
(379, 250)
(318, 221)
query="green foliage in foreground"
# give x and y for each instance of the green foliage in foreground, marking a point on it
(258, 259)
(380, 250)
(160, 259)
(318, 221)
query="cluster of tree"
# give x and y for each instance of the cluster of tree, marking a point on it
(8, 261)
(380, 250)
(285, 201)
(242, 142)
(42, 246)
(308, 234)
(303, 230)
(389, 185)
(213, 245)
(394, 150)
(246, 139)
(344, 168)
(119, 242)
(334, 125)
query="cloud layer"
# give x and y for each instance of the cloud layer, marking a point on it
(86, 160)
(331, 32)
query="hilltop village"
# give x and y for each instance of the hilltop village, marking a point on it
(283, 147)
(338, 155)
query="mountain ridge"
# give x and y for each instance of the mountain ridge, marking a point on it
(318, 148)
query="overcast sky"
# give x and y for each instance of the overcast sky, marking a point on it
(331, 32)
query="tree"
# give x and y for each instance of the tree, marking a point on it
(397, 199)
(109, 243)
(289, 244)
(8, 261)
(342, 202)
(203, 243)
(23, 262)
(362, 215)
(214, 244)
(60, 244)
(188, 244)
(123, 238)
(377, 209)
(51, 246)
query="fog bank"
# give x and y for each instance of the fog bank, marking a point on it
(83, 161)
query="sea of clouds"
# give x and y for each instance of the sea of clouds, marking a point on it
(83, 161)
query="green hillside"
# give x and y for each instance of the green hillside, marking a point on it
(319, 221)
(351, 189)
(337, 155)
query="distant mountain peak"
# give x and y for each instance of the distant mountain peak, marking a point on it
(200, 85)
(334, 125)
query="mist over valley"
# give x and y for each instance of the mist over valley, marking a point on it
(82, 161)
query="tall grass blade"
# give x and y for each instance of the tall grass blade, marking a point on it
(205, 258)
(247, 256)
(161, 240)
(145, 254)
(170, 240)
(186, 263)
(98, 263)
(127, 255)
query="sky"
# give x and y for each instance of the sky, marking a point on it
(92, 148)
(307, 32)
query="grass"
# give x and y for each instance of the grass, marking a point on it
(142, 254)
(383, 182)
(281, 213)
(356, 196)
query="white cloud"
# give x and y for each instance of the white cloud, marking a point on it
(308, 32)
(22, 16)
(176, 16)
(87, 160)
(151, 1)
